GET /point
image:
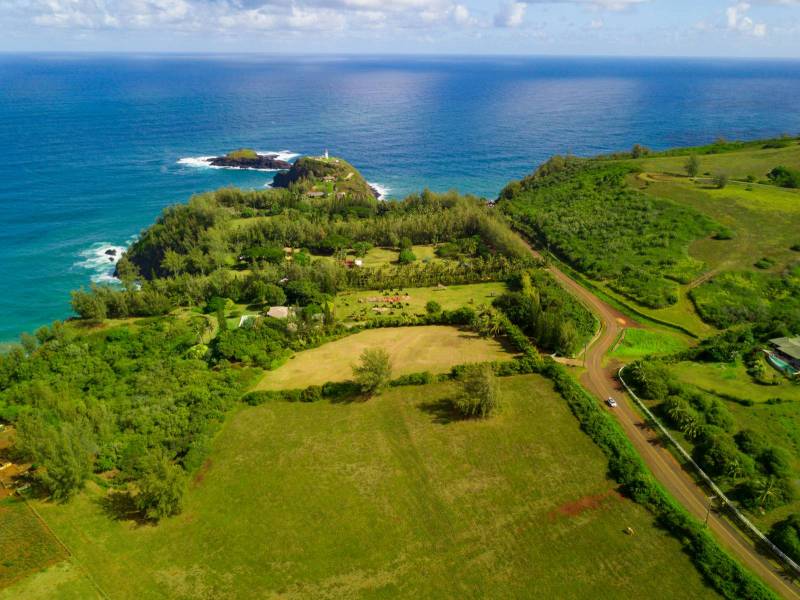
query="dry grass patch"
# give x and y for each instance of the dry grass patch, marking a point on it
(412, 349)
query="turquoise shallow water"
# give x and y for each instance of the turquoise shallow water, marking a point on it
(92, 146)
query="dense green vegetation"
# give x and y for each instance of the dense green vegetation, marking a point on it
(242, 153)
(585, 212)
(121, 399)
(737, 435)
(768, 299)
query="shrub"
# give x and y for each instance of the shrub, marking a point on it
(764, 263)
(312, 393)
(422, 378)
(786, 535)
(406, 257)
(433, 307)
(478, 397)
(785, 177)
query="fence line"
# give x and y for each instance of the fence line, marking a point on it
(755, 531)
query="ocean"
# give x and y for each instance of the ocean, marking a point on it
(93, 147)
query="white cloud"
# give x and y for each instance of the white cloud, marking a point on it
(297, 15)
(596, 24)
(610, 5)
(510, 15)
(738, 20)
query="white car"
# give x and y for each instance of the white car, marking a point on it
(611, 402)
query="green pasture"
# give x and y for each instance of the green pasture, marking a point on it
(387, 498)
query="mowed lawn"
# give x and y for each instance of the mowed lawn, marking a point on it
(391, 498)
(411, 349)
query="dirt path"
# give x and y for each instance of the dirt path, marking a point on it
(601, 382)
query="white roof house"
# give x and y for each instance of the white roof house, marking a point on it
(278, 312)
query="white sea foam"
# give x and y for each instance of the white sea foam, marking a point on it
(100, 264)
(204, 162)
(382, 190)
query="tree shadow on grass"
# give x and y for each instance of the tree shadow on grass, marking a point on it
(441, 411)
(120, 506)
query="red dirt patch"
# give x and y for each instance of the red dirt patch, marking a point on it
(201, 472)
(581, 505)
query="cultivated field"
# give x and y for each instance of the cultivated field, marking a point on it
(25, 545)
(365, 305)
(391, 498)
(412, 349)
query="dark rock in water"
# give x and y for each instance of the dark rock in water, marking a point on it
(111, 252)
(375, 193)
(111, 259)
(260, 161)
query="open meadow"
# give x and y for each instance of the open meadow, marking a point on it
(431, 348)
(370, 304)
(391, 497)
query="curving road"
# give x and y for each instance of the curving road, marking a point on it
(603, 383)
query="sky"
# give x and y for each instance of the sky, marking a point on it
(714, 28)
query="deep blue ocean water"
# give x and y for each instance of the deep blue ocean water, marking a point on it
(91, 145)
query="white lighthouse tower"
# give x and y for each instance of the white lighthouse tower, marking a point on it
(326, 154)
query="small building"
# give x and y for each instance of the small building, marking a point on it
(785, 354)
(278, 312)
(329, 178)
(315, 194)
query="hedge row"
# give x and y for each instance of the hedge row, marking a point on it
(721, 571)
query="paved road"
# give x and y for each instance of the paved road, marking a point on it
(602, 383)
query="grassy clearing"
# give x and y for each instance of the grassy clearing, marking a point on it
(638, 343)
(356, 306)
(682, 313)
(733, 380)
(412, 349)
(25, 545)
(389, 498)
(765, 221)
(63, 580)
(739, 164)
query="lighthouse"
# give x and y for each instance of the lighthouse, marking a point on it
(326, 154)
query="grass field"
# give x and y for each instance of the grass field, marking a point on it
(733, 380)
(738, 165)
(390, 498)
(412, 349)
(356, 306)
(765, 221)
(638, 343)
(25, 545)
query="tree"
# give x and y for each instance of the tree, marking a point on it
(639, 151)
(406, 257)
(173, 263)
(361, 248)
(89, 305)
(62, 452)
(374, 370)
(161, 489)
(478, 397)
(692, 165)
(721, 180)
(433, 307)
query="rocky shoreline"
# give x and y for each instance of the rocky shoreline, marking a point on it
(265, 162)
